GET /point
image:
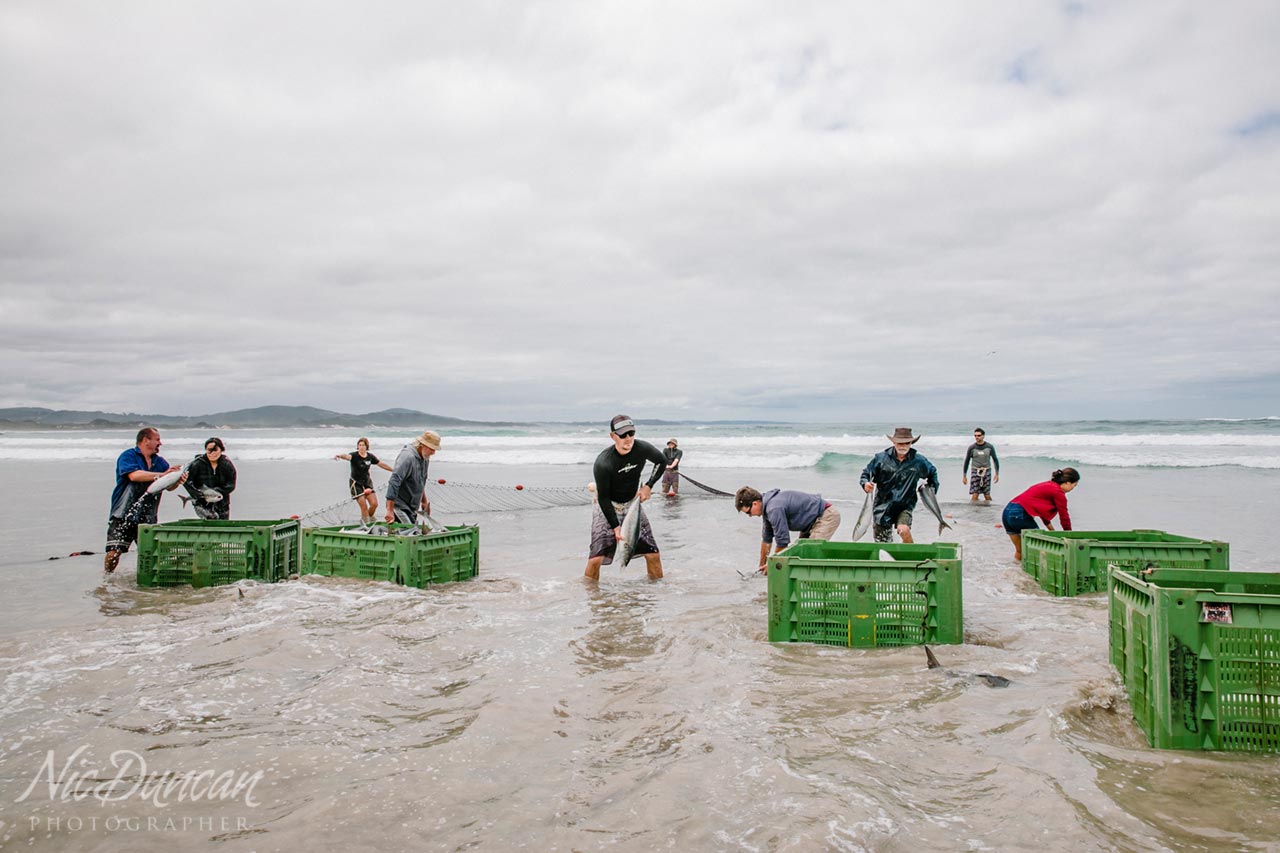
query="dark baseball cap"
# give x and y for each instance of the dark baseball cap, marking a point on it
(621, 423)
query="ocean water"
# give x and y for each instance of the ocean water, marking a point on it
(531, 710)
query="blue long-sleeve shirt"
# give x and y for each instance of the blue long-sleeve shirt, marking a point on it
(784, 511)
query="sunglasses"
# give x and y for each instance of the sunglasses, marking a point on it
(627, 434)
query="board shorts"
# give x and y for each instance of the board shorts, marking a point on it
(121, 533)
(1016, 520)
(671, 481)
(357, 488)
(980, 481)
(605, 544)
(885, 533)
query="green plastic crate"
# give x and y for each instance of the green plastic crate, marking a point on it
(446, 557)
(843, 594)
(442, 557)
(1073, 562)
(1199, 652)
(216, 551)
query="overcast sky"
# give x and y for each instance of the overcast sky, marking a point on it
(702, 210)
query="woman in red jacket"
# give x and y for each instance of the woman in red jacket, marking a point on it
(1044, 501)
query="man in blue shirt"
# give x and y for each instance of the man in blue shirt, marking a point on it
(136, 469)
(784, 511)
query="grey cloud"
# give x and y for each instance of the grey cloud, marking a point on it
(707, 211)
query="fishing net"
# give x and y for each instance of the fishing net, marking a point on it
(334, 515)
(451, 497)
(705, 490)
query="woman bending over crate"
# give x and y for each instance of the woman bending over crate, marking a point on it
(1044, 501)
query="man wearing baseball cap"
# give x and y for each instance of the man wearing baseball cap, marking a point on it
(617, 480)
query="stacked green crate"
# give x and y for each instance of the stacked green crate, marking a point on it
(343, 552)
(443, 557)
(1073, 562)
(212, 552)
(416, 560)
(845, 594)
(1199, 652)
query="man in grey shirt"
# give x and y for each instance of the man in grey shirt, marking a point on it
(406, 490)
(784, 511)
(985, 463)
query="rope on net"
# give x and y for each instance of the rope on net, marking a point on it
(337, 514)
(448, 496)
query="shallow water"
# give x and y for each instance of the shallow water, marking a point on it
(529, 709)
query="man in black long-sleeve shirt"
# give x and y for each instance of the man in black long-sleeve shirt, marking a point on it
(617, 480)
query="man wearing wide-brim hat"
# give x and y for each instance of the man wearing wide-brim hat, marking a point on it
(893, 474)
(406, 490)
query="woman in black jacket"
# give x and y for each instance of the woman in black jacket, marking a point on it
(208, 475)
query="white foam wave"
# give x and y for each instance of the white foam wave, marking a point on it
(800, 449)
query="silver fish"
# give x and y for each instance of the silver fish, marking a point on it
(430, 525)
(167, 480)
(204, 493)
(367, 530)
(931, 502)
(630, 533)
(864, 518)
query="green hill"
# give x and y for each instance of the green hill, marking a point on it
(262, 416)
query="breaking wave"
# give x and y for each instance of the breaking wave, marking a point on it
(706, 448)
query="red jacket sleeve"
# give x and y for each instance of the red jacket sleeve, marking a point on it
(1060, 501)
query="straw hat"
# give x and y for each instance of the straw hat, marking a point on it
(429, 438)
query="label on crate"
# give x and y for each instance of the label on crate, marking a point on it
(1210, 612)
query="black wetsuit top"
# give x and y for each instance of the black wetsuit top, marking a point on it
(618, 477)
(360, 470)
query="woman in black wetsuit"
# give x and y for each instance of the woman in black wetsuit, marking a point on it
(361, 483)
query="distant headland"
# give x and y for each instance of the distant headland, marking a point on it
(262, 417)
